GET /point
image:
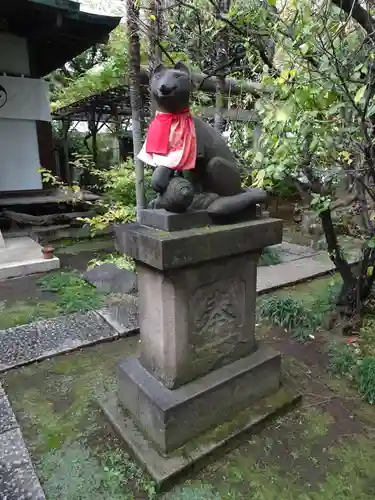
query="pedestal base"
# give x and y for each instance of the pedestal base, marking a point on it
(170, 418)
(165, 468)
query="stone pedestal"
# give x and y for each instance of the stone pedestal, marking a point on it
(201, 365)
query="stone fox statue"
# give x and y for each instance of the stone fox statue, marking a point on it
(193, 165)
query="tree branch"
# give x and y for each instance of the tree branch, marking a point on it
(359, 13)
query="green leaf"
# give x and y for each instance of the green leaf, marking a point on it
(258, 157)
(304, 48)
(259, 178)
(272, 2)
(314, 144)
(281, 115)
(360, 93)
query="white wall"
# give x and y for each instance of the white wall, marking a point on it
(19, 152)
(27, 99)
(14, 56)
(19, 156)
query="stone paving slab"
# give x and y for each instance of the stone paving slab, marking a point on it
(122, 314)
(289, 273)
(294, 249)
(18, 480)
(291, 251)
(43, 339)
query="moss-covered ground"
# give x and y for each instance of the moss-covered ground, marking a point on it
(57, 293)
(323, 450)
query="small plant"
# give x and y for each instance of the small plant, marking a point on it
(301, 317)
(74, 294)
(289, 313)
(366, 379)
(114, 214)
(74, 191)
(120, 260)
(116, 185)
(74, 472)
(71, 472)
(58, 281)
(201, 492)
(325, 299)
(343, 359)
(117, 204)
(120, 469)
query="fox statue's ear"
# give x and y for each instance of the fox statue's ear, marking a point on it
(159, 66)
(180, 66)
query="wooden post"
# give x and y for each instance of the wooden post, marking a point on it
(66, 167)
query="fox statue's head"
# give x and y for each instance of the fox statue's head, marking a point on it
(171, 87)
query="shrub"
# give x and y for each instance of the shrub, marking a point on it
(342, 359)
(120, 260)
(116, 185)
(117, 204)
(73, 293)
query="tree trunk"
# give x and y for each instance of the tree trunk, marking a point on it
(155, 36)
(221, 59)
(135, 98)
(357, 282)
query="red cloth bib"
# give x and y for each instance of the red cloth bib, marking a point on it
(172, 133)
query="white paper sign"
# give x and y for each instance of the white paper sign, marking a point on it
(24, 99)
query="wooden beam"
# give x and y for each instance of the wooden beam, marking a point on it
(208, 84)
(235, 115)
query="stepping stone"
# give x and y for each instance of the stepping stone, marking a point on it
(290, 251)
(298, 250)
(43, 339)
(109, 278)
(17, 476)
(122, 314)
(290, 273)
